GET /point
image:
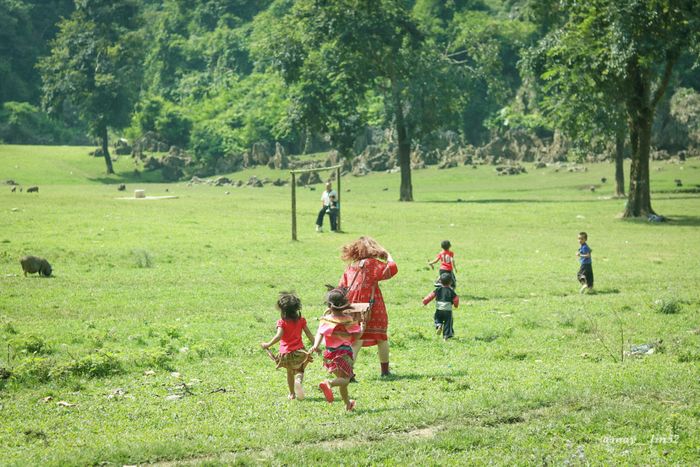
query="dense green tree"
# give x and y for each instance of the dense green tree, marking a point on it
(622, 52)
(94, 66)
(335, 53)
(26, 26)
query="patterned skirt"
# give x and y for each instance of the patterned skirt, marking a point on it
(339, 359)
(376, 327)
(296, 360)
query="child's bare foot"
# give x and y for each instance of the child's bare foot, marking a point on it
(351, 405)
(325, 387)
(291, 397)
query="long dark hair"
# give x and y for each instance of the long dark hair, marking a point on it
(289, 306)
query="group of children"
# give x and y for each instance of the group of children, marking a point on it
(338, 329)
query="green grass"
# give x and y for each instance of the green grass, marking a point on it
(145, 289)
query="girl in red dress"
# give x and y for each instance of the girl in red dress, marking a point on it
(369, 263)
(291, 355)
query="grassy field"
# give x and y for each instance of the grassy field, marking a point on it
(144, 346)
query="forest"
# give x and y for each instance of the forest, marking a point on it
(203, 87)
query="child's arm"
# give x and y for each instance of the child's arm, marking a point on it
(317, 343)
(430, 263)
(429, 298)
(276, 339)
(307, 331)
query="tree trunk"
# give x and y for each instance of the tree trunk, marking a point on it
(619, 163)
(640, 114)
(641, 105)
(105, 148)
(406, 191)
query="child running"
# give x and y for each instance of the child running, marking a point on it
(585, 272)
(447, 263)
(291, 354)
(339, 331)
(446, 299)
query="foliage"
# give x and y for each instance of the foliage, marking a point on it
(94, 66)
(21, 122)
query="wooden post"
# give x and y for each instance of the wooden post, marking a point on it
(337, 176)
(294, 207)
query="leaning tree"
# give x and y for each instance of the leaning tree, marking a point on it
(94, 66)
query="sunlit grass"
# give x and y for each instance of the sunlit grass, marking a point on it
(143, 290)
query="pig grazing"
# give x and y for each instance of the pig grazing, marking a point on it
(32, 264)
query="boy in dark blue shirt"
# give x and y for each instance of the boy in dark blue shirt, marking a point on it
(446, 298)
(585, 272)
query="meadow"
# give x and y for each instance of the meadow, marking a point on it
(144, 345)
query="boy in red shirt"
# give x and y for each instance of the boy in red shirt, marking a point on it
(447, 263)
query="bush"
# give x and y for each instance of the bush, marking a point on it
(142, 258)
(23, 123)
(96, 365)
(667, 306)
(33, 369)
(30, 345)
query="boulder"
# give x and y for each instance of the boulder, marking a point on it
(122, 147)
(220, 181)
(261, 153)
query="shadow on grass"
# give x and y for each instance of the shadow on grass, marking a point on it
(511, 201)
(476, 298)
(131, 177)
(414, 377)
(692, 221)
(606, 291)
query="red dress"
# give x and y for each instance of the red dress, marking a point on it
(369, 272)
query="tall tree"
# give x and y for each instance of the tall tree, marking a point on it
(624, 52)
(334, 52)
(94, 66)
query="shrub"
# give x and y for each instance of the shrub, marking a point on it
(23, 123)
(33, 369)
(159, 357)
(30, 344)
(667, 306)
(95, 365)
(142, 258)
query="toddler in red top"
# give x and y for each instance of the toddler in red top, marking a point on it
(447, 263)
(338, 330)
(292, 355)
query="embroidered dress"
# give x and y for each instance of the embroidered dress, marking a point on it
(369, 272)
(339, 333)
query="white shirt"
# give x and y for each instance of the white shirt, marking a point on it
(326, 197)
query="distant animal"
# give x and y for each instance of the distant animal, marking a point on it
(121, 187)
(603, 179)
(32, 264)
(33, 189)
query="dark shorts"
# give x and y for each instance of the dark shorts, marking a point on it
(585, 275)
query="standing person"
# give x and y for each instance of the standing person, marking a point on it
(326, 208)
(446, 299)
(447, 263)
(291, 354)
(585, 272)
(369, 263)
(338, 332)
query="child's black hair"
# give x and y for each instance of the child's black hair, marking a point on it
(446, 279)
(289, 305)
(584, 235)
(445, 244)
